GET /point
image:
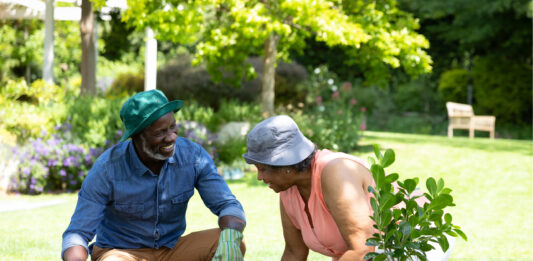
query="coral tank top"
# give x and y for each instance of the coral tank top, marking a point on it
(324, 237)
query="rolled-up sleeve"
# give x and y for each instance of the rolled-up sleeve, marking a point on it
(213, 189)
(89, 211)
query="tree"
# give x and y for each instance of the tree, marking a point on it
(226, 32)
(88, 50)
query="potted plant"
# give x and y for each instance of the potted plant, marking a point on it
(404, 230)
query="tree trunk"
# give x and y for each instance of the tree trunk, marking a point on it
(88, 50)
(269, 73)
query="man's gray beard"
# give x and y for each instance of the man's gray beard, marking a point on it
(157, 156)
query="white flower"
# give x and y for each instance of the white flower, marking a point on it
(317, 71)
(330, 81)
(321, 108)
(334, 88)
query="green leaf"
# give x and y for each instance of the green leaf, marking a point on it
(371, 255)
(443, 242)
(432, 186)
(378, 173)
(440, 185)
(391, 177)
(448, 218)
(446, 191)
(374, 205)
(381, 257)
(388, 158)
(371, 242)
(377, 152)
(387, 201)
(371, 161)
(461, 234)
(405, 228)
(409, 185)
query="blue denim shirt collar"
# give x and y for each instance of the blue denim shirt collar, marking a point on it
(137, 164)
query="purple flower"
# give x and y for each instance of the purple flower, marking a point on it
(52, 163)
(26, 171)
(81, 174)
(62, 173)
(73, 182)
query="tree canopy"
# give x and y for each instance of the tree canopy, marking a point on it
(226, 32)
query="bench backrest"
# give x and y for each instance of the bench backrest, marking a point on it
(459, 110)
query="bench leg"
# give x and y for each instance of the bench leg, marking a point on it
(450, 132)
(492, 134)
(471, 133)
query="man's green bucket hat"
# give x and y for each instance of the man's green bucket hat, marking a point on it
(143, 108)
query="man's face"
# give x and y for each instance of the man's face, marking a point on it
(158, 139)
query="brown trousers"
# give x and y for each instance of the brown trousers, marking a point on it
(200, 245)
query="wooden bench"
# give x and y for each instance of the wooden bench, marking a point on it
(461, 116)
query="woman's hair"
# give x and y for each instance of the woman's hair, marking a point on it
(302, 165)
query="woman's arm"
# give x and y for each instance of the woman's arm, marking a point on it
(344, 185)
(295, 248)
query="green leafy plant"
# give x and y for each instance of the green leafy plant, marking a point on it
(406, 232)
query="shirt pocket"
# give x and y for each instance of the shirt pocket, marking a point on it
(182, 198)
(130, 211)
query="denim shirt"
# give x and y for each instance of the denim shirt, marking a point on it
(127, 206)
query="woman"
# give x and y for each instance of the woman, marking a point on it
(324, 201)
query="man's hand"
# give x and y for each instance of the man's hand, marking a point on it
(75, 253)
(229, 246)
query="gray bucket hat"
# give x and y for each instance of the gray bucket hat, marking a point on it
(277, 141)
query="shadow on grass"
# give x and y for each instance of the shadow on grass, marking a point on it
(524, 147)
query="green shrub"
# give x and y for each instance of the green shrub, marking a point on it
(332, 116)
(178, 79)
(233, 110)
(503, 88)
(126, 84)
(95, 121)
(453, 85)
(231, 150)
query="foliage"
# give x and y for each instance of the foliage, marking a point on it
(453, 85)
(126, 84)
(230, 150)
(226, 33)
(502, 88)
(95, 121)
(407, 231)
(28, 111)
(178, 79)
(198, 133)
(334, 117)
(233, 110)
(52, 164)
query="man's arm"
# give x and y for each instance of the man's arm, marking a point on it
(295, 248)
(343, 187)
(214, 191)
(89, 211)
(231, 222)
(75, 253)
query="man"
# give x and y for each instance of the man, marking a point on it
(135, 196)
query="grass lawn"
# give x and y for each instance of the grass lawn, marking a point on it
(490, 182)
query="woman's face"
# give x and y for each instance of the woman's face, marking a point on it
(277, 178)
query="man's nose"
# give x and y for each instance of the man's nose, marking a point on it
(171, 137)
(259, 175)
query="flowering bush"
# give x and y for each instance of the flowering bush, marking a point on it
(198, 133)
(335, 117)
(52, 164)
